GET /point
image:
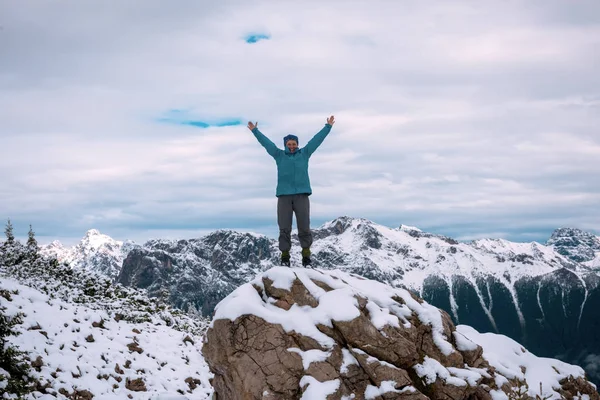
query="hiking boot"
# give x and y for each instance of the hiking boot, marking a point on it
(285, 258)
(306, 257)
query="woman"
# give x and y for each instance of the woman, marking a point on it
(293, 187)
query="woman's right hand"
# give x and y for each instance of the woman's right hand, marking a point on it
(251, 126)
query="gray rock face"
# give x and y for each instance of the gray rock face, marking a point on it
(196, 274)
(575, 244)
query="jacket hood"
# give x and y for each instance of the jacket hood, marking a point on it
(290, 137)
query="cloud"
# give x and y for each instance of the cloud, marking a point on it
(591, 364)
(459, 119)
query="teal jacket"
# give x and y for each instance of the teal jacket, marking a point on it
(292, 168)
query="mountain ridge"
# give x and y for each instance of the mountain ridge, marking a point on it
(562, 239)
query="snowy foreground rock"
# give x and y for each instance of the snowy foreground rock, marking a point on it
(296, 333)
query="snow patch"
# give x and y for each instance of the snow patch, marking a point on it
(431, 369)
(310, 356)
(318, 390)
(347, 361)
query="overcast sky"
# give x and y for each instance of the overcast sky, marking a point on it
(464, 118)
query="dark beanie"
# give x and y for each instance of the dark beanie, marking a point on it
(290, 137)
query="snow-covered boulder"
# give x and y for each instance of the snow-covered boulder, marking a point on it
(299, 333)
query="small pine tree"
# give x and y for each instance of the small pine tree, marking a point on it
(18, 380)
(193, 311)
(32, 246)
(10, 237)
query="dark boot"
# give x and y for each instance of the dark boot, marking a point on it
(285, 258)
(306, 257)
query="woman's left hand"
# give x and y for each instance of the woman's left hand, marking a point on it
(330, 120)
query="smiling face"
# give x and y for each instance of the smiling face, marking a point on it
(292, 145)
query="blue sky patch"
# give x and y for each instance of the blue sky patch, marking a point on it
(255, 37)
(197, 124)
(228, 122)
(183, 117)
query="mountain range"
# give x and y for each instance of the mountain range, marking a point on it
(545, 296)
(288, 333)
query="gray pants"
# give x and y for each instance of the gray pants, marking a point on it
(286, 206)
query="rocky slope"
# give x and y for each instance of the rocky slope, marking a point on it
(297, 333)
(84, 337)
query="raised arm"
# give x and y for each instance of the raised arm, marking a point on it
(316, 141)
(264, 141)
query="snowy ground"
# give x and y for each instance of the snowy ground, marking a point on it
(76, 355)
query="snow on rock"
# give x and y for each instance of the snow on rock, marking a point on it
(372, 392)
(595, 262)
(302, 333)
(318, 390)
(578, 245)
(512, 361)
(409, 228)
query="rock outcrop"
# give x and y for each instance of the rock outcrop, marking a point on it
(196, 274)
(297, 333)
(578, 245)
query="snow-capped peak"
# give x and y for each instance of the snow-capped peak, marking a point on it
(96, 251)
(340, 224)
(93, 238)
(56, 245)
(92, 232)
